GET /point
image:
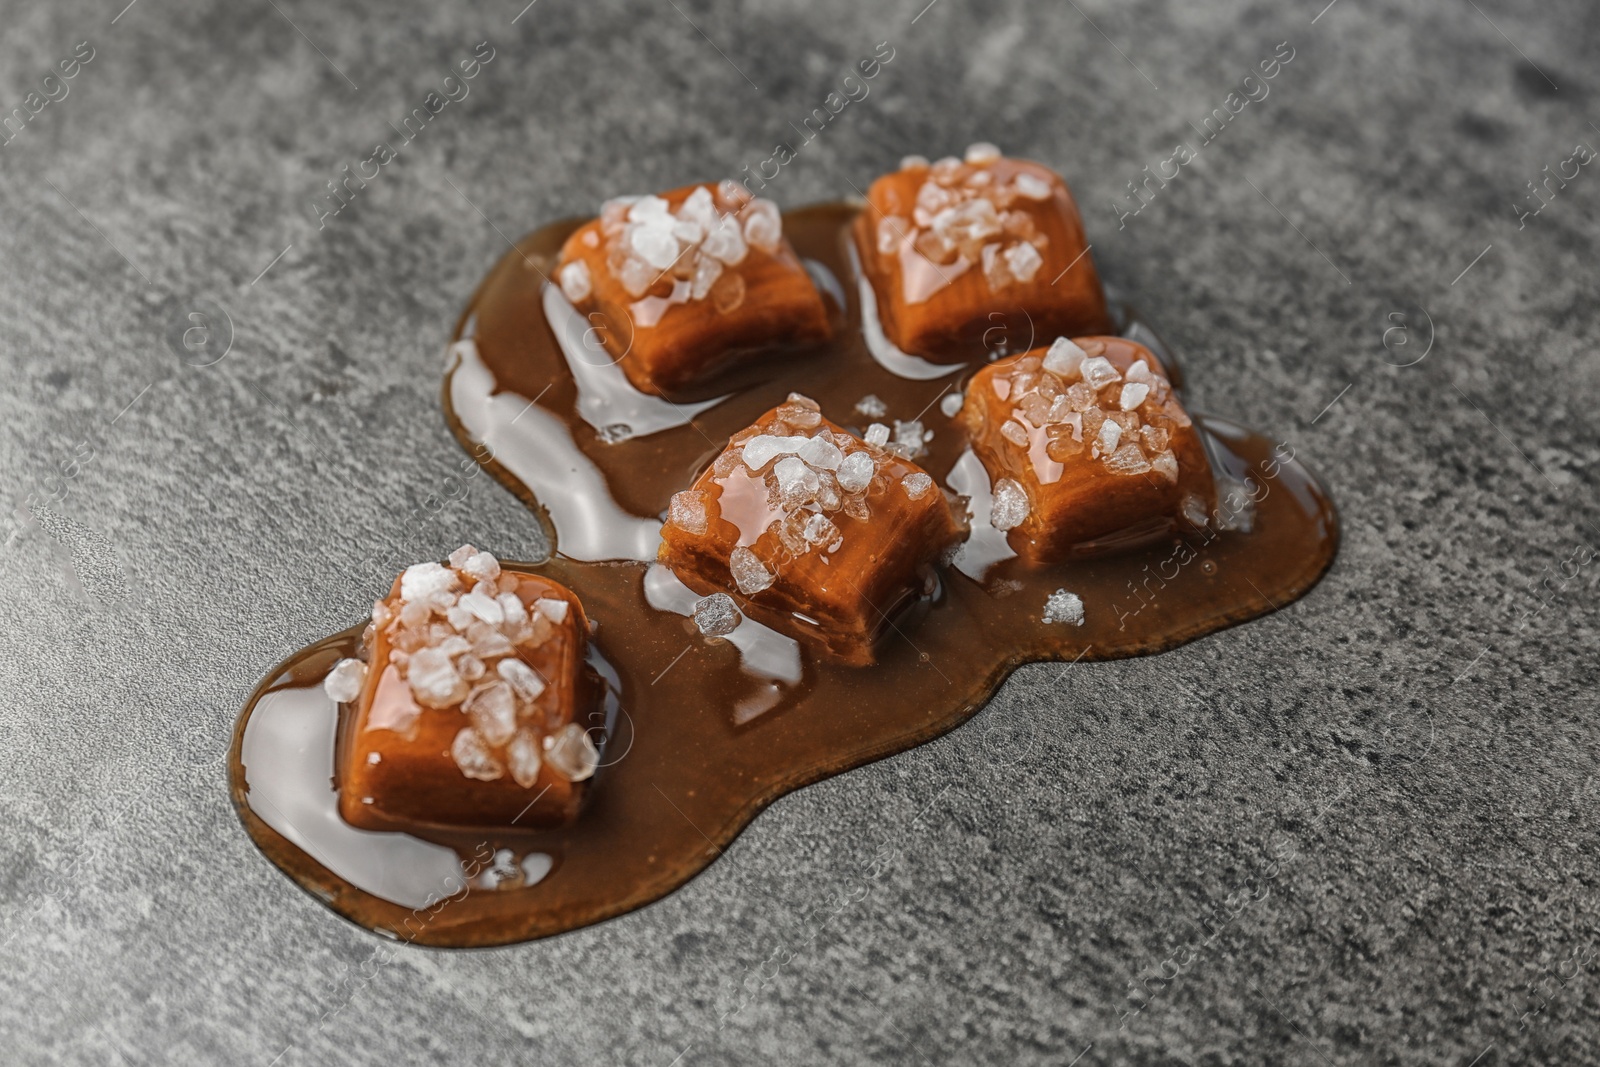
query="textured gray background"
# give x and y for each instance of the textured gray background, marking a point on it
(1413, 742)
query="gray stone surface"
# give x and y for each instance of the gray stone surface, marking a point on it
(1413, 743)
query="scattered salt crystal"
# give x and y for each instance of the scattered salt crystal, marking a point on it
(487, 642)
(856, 472)
(637, 276)
(913, 162)
(344, 682)
(877, 435)
(415, 613)
(523, 758)
(459, 617)
(454, 645)
(748, 572)
(822, 453)
(484, 607)
(421, 581)
(1032, 187)
(1062, 606)
(1155, 438)
(803, 401)
(1166, 465)
(706, 273)
(950, 404)
(1133, 394)
(871, 407)
(763, 448)
(493, 711)
(916, 485)
(1127, 460)
(688, 231)
(1140, 372)
(1064, 358)
(382, 614)
(981, 152)
(571, 753)
(1015, 432)
(525, 682)
(1110, 434)
(797, 483)
(552, 608)
(763, 226)
(1024, 261)
(1098, 372)
(474, 758)
(725, 242)
(512, 607)
(909, 438)
(647, 208)
(717, 615)
(687, 512)
(459, 557)
(575, 282)
(698, 207)
(655, 245)
(471, 667)
(1010, 505)
(434, 680)
(820, 530)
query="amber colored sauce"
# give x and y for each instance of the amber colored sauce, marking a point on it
(681, 775)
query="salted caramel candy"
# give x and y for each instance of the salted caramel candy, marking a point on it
(689, 282)
(472, 705)
(813, 531)
(954, 248)
(1085, 441)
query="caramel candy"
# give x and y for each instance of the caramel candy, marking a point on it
(1084, 440)
(815, 532)
(954, 249)
(474, 709)
(688, 282)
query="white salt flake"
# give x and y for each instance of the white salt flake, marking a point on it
(575, 282)
(511, 606)
(523, 758)
(1140, 372)
(646, 209)
(1110, 434)
(821, 453)
(877, 435)
(764, 448)
(1024, 261)
(655, 245)
(484, 607)
(1166, 465)
(916, 485)
(481, 567)
(493, 711)
(763, 226)
(1064, 358)
(552, 608)
(1099, 372)
(434, 680)
(856, 472)
(981, 152)
(820, 530)
(687, 512)
(725, 242)
(870, 406)
(950, 403)
(571, 754)
(717, 615)
(421, 581)
(1127, 460)
(344, 682)
(474, 758)
(459, 557)
(1010, 505)
(1062, 606)
(1133, 394)
(1032, 187)
(524, 681)
(748, 572)
(909, 437)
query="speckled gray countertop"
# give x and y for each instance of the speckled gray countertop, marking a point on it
(1359, 831)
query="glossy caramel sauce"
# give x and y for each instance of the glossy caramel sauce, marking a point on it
(705, 732)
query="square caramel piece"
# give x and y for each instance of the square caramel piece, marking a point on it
(690, 282)
(473, 705)
(954, 248)
(1085, 442)
(815, 532)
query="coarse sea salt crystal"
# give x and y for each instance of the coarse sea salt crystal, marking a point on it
(1133, 394)
(1032, 187)
(434, 680)
(523, 679)
(1099, 372)
(1166, 465)
(1010, 505)
(570, 753)
(763, 448)
(1127, 460)
(909, 437)
(575, 282)
(797, 483)
(344, 682)
(655, 244)
(493, 711)
(1064, 358)
(916, 485)
(421, 581)
(1024, 261)
(474, 758)
(763, 226)
(822, 453)
(950, 403)
(877, 435)
(856, 472)
(726, 242)
(820, 530)
(1110, 434)
(980, 152)
(523, 758)
(748, 572)
(1140, 372)
(717, 615)
(1062, 606)
(552, 608)
(484, 607)
(512, 607)
(687, 512)
(871, 407)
